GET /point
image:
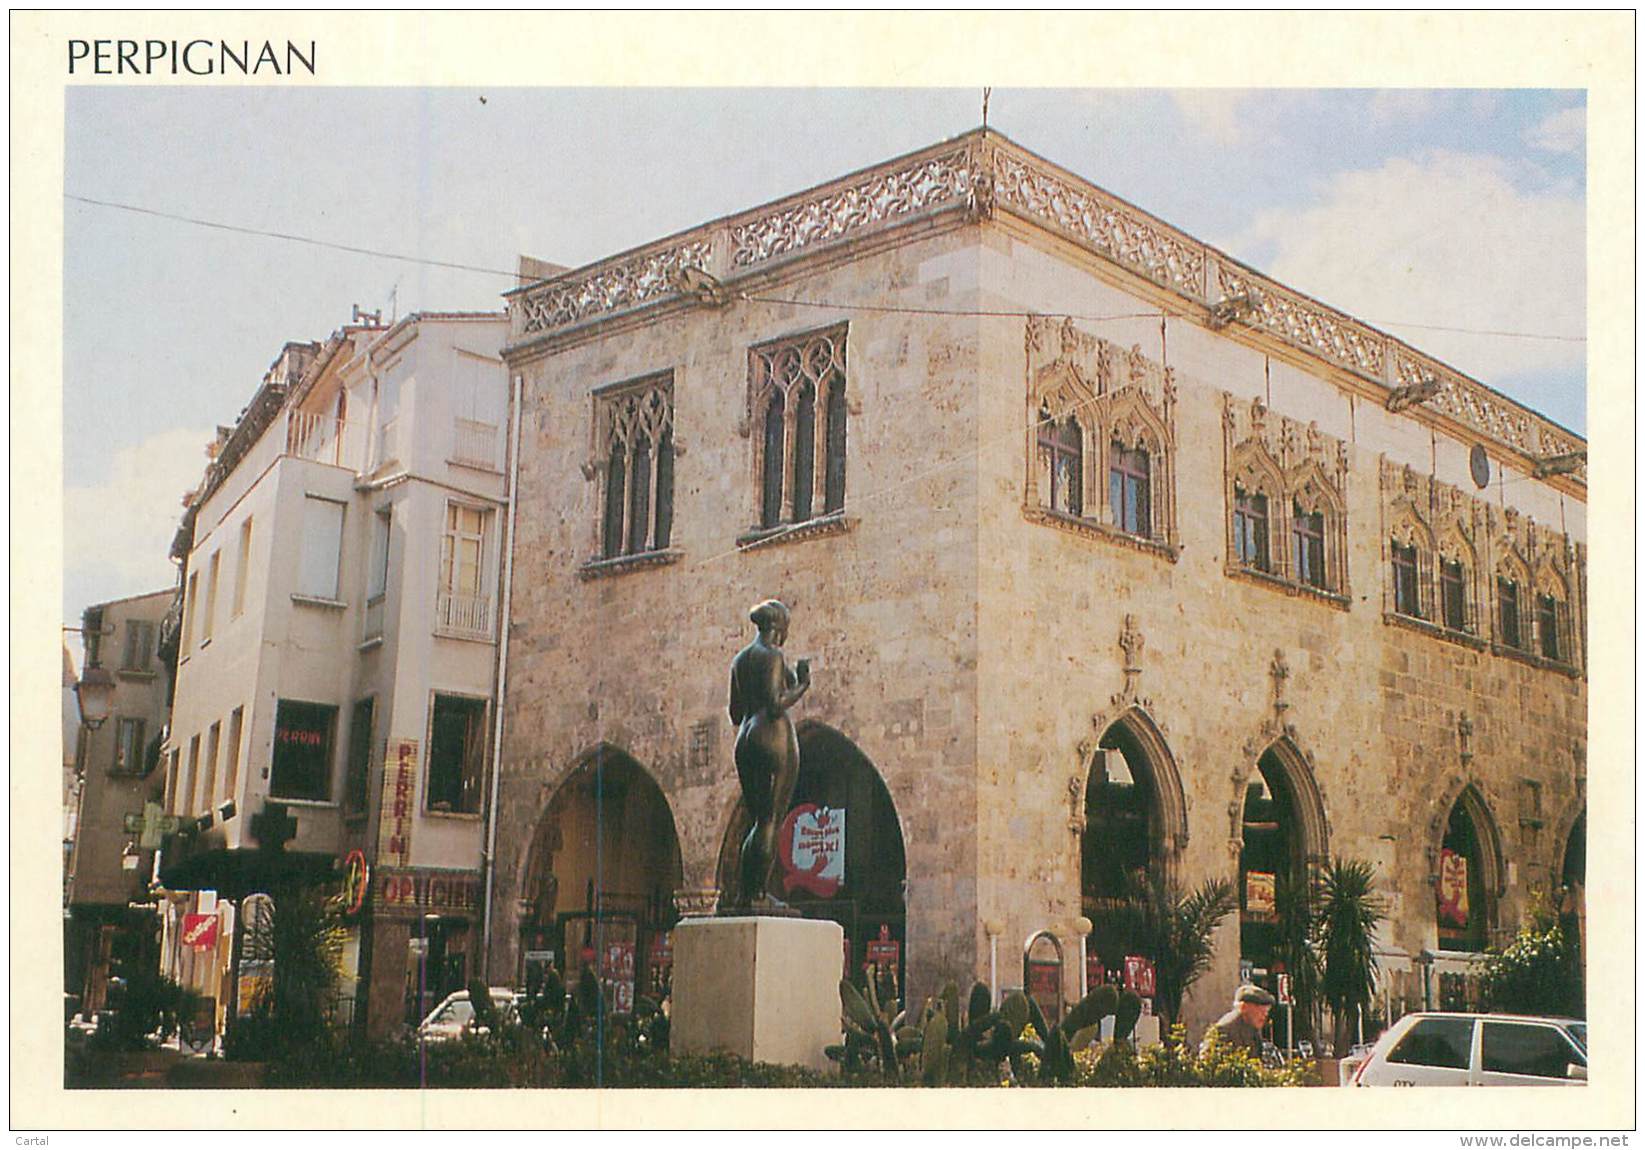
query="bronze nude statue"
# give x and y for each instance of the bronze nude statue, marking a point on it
(767, 751)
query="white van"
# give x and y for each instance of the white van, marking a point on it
(1477, 1050)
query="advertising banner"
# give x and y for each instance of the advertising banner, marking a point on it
(617, 972)
(1139, 976)
(200, 931)
(1452, 891)
(811, 846)
(1259, 894)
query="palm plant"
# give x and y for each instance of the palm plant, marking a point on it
(1295, 904)
(1349, 910)
(308, 954)
(1178, 929)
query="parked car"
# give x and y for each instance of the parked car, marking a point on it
(1432, 1049)
(455, 1014)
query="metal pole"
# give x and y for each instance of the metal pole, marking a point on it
(994, 967)
(422, 1001)
(1290, 1046)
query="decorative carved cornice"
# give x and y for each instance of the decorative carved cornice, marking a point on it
(604, 288)
(1303, 323)
(983, 174)
(879, 197)
(1100, 222)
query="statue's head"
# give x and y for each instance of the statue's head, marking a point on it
(771, 617)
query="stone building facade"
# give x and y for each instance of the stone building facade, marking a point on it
(1084, 526)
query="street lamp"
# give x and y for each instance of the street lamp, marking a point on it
(94, 694)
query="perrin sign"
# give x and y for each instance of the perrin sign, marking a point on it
(811, 845)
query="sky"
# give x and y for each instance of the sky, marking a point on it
(1418, 211)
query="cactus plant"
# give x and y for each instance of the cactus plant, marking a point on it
(1053, 1047)
(875, 1032)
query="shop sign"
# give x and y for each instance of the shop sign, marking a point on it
(200, 931)
(356, 881)
(1139, 976)
(1259, 894)
(399, 803)
(436, 891)
(617, 972)
(1094, 972)
(884, 950)
(1283, 986)
(811, 845)
(1452, 891)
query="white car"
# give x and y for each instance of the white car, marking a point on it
(1476, 1050)
(455, 1015)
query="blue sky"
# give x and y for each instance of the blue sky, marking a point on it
(1449, 209)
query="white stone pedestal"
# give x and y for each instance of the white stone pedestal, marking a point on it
(765, 989)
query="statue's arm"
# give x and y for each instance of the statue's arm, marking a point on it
(794, 686)
(736, 707)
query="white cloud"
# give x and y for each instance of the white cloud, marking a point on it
(1214, 112)
(1562, 131)
(1443, 239)
(122, 527)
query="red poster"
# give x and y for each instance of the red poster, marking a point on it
(200, 931)
(1139, 976)
(1452, 892)
(883, 951)
(1045, 987)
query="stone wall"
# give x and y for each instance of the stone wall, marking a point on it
(973, 649)
(886, 609)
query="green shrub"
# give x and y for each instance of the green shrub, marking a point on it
(1536, 974)
(1176, 1063)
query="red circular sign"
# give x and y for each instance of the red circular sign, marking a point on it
(356, 881)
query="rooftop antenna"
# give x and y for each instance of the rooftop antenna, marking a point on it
(986, 92)
(372, 318)
(394, 304)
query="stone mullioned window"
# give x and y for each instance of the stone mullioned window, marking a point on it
(1101, 451)
(1286, 489)
(797, 418)
(632, 467)
(1462, 570)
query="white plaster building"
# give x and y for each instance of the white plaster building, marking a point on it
(338, 642)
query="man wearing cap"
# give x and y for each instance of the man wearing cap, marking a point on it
(1241, 1027)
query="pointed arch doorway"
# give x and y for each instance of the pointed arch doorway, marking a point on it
(865, 890)
(603, 866)
(1134, 828)
(1282, 837)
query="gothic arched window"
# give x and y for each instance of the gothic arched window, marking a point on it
(634, 426)
(798, 405)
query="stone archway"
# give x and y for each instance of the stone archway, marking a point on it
(869, 901)
(1133, 827)
(1283, 836)
(1467, 870)
(600, 875)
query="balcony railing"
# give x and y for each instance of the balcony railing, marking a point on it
(468, 615)
(474, 443)
(320, 438)
(374, 618)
